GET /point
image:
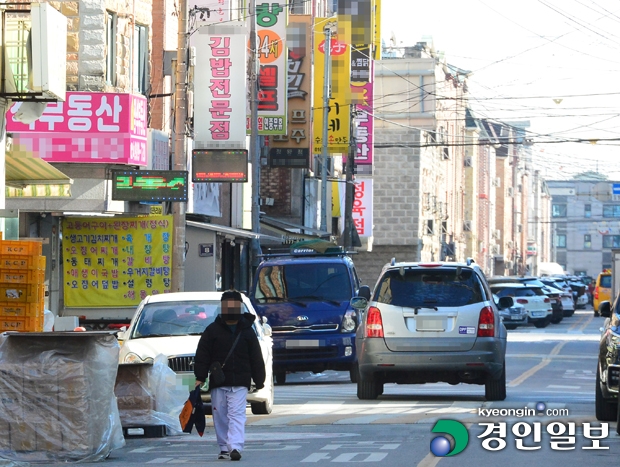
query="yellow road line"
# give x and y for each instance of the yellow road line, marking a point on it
(431, 460)
(545, 361)
(578, 323)
(588, 321)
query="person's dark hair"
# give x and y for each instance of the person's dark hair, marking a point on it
(232, 295)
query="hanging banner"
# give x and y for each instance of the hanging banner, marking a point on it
(339, 116)
(362, 207)
(115, 262)
(362, 73)
(271, 20)
(220, 91)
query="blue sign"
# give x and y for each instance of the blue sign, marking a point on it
(616, 188)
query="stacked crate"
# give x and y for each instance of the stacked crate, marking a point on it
(22, 286)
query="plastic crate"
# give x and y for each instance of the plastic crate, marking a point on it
(21, 247)
(21, 310)
(22, 293)
(11, 323)
(22, 276)
(22, 262)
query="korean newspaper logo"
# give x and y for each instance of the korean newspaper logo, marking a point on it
(526, 435)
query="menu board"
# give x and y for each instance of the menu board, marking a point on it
(116, 261)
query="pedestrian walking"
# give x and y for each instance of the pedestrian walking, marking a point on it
(231, 341)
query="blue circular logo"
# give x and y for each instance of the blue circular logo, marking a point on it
(440, 446)
(541, 406)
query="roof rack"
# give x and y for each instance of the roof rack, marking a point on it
(312, 248)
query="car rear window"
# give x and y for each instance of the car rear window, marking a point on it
(429, 287)
(517, 292)
(605, 282)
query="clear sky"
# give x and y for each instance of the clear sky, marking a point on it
(555, 63)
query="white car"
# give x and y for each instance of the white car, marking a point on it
(172, 323)
(537, 304)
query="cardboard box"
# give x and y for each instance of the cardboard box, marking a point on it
(11, 391)
(49, 435)
(23, 437)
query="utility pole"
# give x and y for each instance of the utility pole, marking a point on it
(255, 146)
(327, 79)
(180, 157)
(349, 186)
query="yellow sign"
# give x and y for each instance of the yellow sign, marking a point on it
(338, 120)
(115, 262)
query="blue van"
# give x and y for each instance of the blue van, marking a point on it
(305, 295)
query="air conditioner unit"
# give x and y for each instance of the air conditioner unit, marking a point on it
(510, 191)
(467, 226)
(468, 162)
(497, 234)
(495, 249)
(497, 181)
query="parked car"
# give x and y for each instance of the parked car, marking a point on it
(566, 294)
(537, 304)
(172, 323)
(602, 290)
(513, 316)
(608, 364)
(431, 322)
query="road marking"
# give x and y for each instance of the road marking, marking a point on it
(557, 386)
(431, 460)
(519, 379)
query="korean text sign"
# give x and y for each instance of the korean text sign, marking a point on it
(362, 207)
(220, 91)
(87, 127)
(271, 20)
(115, 262)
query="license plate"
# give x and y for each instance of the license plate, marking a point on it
(299, 344)
(538, 314)
(430, 324)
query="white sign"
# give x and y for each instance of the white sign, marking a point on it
(362, 207)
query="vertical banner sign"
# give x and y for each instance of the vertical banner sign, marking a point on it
(338, 121)
(271, 19)
(297, 138)
(376, 40)
(362, 70)
(220, 93)
(362, 207)
(115, 262)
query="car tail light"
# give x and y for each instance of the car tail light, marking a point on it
(486, 322)
(596, 292)
(522, 301)
(374, 323)
(547, 300)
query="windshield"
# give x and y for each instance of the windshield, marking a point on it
(605, 282)
(176, 318)
(429, 287)
(311, 281)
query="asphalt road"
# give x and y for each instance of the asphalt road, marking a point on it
(317, 418)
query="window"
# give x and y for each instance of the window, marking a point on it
(611, 210)
(611, 241)
(558, 210)
(587, 242)
(110, 42)
(587, 210)
(430, 228)
(140, 59)
(560, 241)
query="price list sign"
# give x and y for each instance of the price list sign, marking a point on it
(115, 262)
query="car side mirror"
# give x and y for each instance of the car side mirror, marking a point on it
(505, 302)
(266, 327)
(359, 303)
(364, 292)
(605, 309)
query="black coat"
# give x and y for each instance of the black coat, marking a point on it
(246, 361)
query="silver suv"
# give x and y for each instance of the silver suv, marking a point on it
(428, 323)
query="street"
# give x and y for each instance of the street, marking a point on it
(318, 418)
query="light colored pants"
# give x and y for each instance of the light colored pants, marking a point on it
(228, 405)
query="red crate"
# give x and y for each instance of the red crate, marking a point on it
(21, 310)
(22, 276)
(11, 323)
(22, 262)
(21, 247)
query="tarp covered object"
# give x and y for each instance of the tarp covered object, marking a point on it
(57, 398)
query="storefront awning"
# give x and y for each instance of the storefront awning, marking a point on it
(33, 178)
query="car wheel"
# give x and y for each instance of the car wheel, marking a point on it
(605, 411)
(542, 323)
(510, 326)
(354, 373)
(280, 377)
(495, 389)
(595, 313)
(368, 389)
(557, 320)
(265, 407)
